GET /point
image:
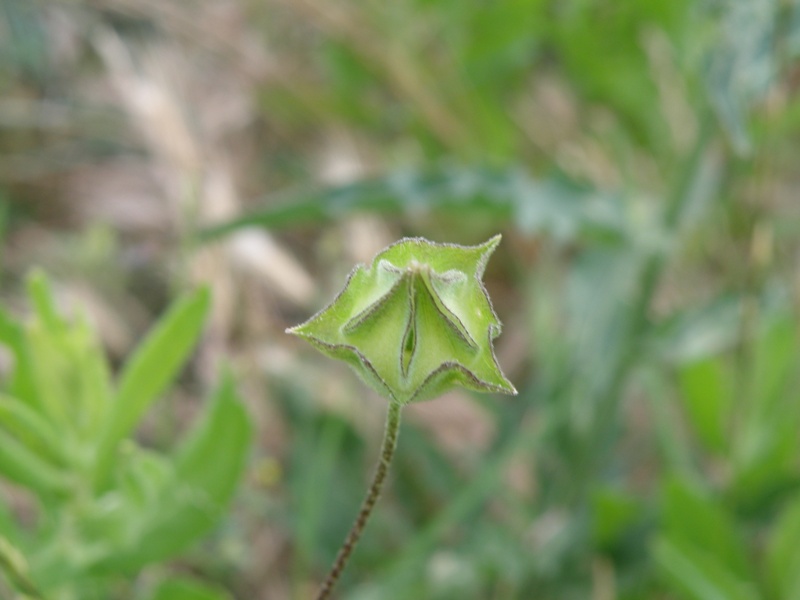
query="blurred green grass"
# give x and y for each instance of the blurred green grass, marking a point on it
(639, 158)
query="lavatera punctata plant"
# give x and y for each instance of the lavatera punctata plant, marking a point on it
(414, 324)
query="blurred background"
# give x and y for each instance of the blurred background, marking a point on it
(640, 159)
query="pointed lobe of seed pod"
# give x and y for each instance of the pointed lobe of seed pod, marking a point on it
(415, 323)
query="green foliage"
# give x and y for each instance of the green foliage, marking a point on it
(186, 589)
(659, 436)
(609, 64)
(555, 206)
(15, 567)
(708, 393)
(744, 62)
(749, 418)
(151, 368)
(594, 331)
(783, 554)
(106, 506)
(747, 421)
(692, 520)
(447, 84)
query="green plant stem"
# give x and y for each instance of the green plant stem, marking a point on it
(15, 569)
(639, 326)
(387, 453)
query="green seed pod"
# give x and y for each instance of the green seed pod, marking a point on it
(415, 323)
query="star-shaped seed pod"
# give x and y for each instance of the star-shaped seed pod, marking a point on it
(415, 323)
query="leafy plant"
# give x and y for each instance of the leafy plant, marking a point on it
(745, 422)
(106, 506)
(413, 325)
(554, 206)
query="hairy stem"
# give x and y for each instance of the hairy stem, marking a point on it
(387, 453)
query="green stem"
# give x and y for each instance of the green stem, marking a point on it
(387, 453)
(639, 326)
(15, 568)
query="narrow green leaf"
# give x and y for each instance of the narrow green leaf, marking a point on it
(149, 371)
(207, 468)
(22, 466)
(15, 568)
(27, 425)
(775, 359)
(694, 519)
(52, 362)
(9, 329)
(22, 383)
(770, 463)
(60, 368)
(41, 294)
(783, 554)
(707, 393)
(556, 206)
(698, 574)
(48, 346)
(91, 379)
(216, 443)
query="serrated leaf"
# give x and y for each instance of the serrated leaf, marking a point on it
(149, 371)
(416, 323)
(555, 206)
